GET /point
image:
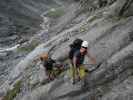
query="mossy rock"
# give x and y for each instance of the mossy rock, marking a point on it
(55, 13)
(11, 94)
(29, 48)
(82, 29)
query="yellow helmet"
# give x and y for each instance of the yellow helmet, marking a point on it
(44, 56)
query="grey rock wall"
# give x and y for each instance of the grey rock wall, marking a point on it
(110, 40)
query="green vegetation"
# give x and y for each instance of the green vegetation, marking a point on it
(55, 13)
(93, 18)
(11, 94)
(82, 29)
(28, 48)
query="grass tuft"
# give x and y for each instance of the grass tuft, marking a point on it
(55, 13)
(11, 94)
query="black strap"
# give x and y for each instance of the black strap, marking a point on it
(96, 67)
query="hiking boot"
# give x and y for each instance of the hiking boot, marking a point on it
(73, 81)
(78, 78)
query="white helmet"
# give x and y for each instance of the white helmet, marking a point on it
(85, 44)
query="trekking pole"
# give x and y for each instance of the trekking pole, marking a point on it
(97, 66)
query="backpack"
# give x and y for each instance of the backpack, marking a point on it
(49, 63)
(76, 45)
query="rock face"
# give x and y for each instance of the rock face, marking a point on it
(119, 7)
(20, 25)
(115, 55)
(20, 18)
(110, 38)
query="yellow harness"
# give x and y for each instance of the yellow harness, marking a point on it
(82, 71)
